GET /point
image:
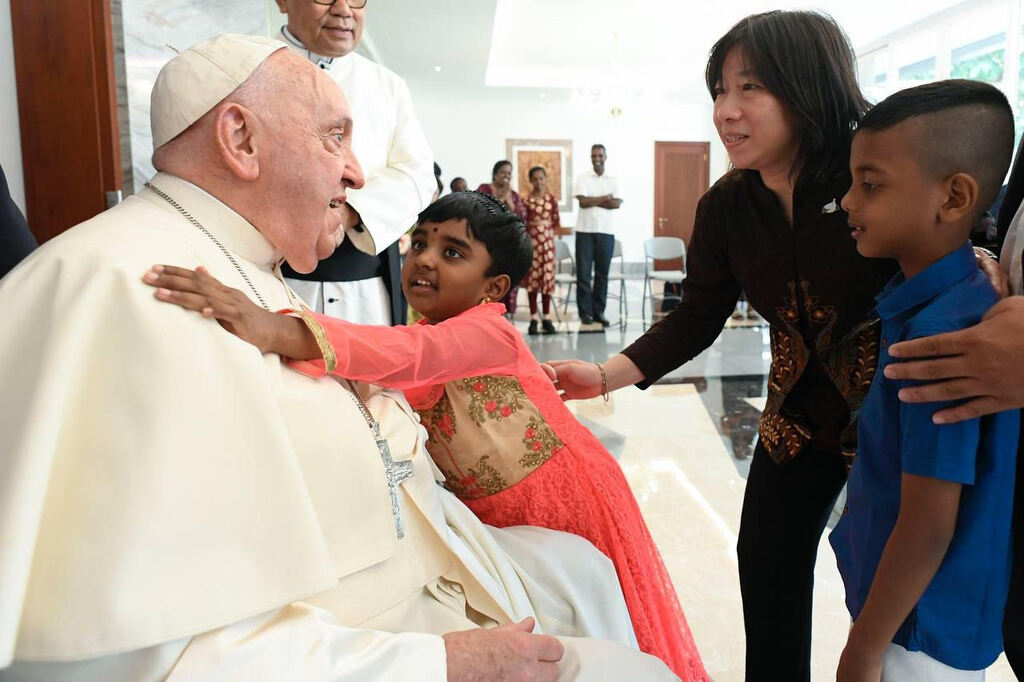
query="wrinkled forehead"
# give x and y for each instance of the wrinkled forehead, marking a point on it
(309, 92)
(331, 101)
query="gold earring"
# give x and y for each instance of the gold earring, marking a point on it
(486, 300)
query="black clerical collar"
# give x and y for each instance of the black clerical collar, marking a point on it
(318, 59)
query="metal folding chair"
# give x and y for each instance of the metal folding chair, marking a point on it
(563, 257)
(659, 249)
(617, 273)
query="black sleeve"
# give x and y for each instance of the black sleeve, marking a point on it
(16, 241)
(710, 292)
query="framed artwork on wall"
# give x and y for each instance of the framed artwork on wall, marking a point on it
(555, 156)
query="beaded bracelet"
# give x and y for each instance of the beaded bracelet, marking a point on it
(604, 381)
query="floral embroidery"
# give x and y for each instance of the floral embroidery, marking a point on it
(782, 437)
(484, 457)
(540, 441)
(491, 397)
(478, 481)
(850, 364)
(439, 420)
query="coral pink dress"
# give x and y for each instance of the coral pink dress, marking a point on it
(514, 454)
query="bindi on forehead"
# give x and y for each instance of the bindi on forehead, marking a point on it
(435, 229)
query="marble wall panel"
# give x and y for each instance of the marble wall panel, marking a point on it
(149, 26)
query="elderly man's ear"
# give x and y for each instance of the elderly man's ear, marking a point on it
(235, 140)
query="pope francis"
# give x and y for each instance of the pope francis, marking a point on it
(176, 506)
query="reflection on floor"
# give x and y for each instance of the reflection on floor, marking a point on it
(685, 447)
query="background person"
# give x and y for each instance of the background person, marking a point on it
(595, 237)
(360, 281)
(542, 224)
(501, 187)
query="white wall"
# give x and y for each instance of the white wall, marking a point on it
(10, 133)
(468, 133)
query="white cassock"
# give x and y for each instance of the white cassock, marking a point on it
(176, 506)
(399, 177)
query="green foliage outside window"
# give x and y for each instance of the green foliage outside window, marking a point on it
(986, 67)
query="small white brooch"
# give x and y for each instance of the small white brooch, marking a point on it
(830, 207)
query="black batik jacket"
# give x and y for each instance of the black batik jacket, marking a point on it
(807, 281)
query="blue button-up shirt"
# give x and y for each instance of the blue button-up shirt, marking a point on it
(958, 619)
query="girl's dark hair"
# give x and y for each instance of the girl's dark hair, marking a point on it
(535, 169)
(497, 167)
(805, 60)
(488, 220)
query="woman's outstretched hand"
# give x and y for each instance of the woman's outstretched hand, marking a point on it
(200, 291)
(575, 379)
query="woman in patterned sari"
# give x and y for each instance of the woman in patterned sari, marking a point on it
(500, 187)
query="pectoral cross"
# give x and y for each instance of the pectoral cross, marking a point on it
(397, 473)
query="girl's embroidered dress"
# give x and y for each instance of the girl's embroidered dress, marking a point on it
(514, 454)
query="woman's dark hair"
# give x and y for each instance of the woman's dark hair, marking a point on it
(437, 176)
(805, 60)
(488, 220)
(497, 167)
(535, 169)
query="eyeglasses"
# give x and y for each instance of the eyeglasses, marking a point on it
(354, 4)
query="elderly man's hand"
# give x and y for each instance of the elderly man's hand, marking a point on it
(984, 363)
(510, 652)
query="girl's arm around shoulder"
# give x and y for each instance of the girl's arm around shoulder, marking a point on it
(478, 341)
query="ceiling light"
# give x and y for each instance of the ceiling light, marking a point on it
(437, 69)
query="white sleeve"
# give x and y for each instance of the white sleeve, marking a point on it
(580, 188)
(303, 643)
(392, 196)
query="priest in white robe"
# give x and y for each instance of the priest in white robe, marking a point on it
(360, 281)
(176, 506)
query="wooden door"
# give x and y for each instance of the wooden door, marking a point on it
(64, 65)
(681, 172)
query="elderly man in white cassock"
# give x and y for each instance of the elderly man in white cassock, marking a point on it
(360, 281)
(176, 506)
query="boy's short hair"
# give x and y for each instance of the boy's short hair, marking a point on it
(456, 180)
(969, 128)
(488, 220)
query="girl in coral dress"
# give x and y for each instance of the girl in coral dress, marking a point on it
(499, 431)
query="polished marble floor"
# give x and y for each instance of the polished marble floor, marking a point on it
(685, 447)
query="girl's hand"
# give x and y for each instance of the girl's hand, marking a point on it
(576, 379)
(198, 290)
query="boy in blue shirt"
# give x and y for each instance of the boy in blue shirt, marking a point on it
(924, 542)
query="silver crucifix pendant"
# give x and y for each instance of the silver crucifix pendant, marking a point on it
(397, 473)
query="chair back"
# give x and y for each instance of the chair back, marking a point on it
(664, 248)
(563, 254)
(618, 265)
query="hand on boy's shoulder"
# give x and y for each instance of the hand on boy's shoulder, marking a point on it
(983, 364)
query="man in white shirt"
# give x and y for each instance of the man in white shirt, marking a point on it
(595, 237)
(360, 281)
